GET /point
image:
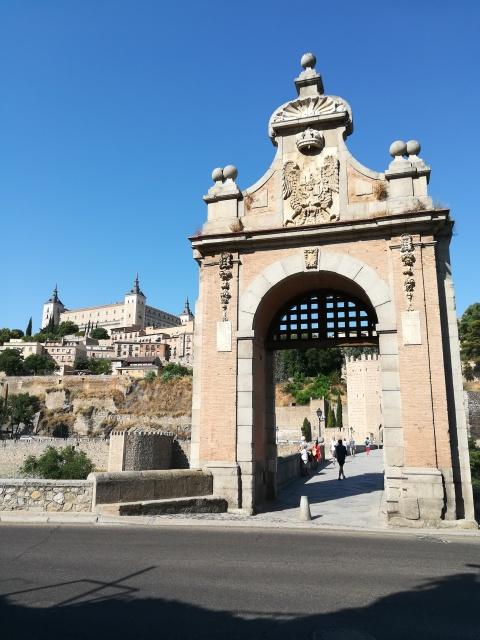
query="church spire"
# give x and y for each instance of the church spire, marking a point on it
(186, 308)
(136, 284)
(136, 287)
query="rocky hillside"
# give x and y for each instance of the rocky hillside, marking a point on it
(94, 405)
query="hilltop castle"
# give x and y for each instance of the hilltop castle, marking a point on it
(131, 311)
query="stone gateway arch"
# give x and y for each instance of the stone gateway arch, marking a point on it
(323, 251)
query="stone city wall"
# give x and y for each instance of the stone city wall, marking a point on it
(289, 420)
(13, 453)
(472, 411)
(33, 494)
(364, 396)
(138, 450)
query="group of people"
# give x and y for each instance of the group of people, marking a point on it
(311, 453)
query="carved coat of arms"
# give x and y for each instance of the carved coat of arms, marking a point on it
(310, 192)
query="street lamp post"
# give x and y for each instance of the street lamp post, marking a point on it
(320, 418)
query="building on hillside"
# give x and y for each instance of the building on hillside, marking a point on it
(173, 344)
(65, 351)
(364, 397)
(132, 311)
(179, 340)
(159, 350)
(25, 348)
(100, 351)
(135, 367)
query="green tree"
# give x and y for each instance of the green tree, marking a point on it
(331, 420)
(469, 333)
(7, 334)
(99, 366)
(339, 412)
(11, 362)
(39, 364)
(172, 370)
(66, 328)
(21, 409)
(28, 330)
(150, 376)
(307, 430)
(82, 363)
(55, 464)
(307, 362)
(96, 366)
(99, 334)
(50, 328)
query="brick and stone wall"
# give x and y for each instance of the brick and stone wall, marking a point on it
(13, 452)
(33, 494)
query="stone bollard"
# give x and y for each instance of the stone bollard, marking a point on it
(305, 509)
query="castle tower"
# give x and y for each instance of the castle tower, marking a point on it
(134, 310)
(52, 309)
(186, 315)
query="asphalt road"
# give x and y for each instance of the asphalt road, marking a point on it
(153, 582)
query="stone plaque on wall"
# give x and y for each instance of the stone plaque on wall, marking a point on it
(411, 327)
(224, 336)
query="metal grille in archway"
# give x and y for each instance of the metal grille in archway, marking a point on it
(321, 319)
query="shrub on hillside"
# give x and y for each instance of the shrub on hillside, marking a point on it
(172, 370)
(59, 464)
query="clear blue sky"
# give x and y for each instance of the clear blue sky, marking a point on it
(114, 112)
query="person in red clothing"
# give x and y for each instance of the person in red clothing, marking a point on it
(367, 446)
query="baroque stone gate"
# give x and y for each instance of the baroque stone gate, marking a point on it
(324, 251)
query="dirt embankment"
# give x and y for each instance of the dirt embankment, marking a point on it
(94, 405)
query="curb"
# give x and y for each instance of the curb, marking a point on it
(249, 522)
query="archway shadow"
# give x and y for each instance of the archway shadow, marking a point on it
(440, 609)
(324, 491)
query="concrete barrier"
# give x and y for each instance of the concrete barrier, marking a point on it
(135, 486)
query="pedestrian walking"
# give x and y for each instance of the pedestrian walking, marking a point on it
(367, 446)
(341, 452)
(314, 454)
(333, 445)
(352, 446)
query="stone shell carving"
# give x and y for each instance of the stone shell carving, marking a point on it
(310, 192)
(407, 256)
(225, 271)
(309, 107)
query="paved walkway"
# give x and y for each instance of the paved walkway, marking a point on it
(354, 502)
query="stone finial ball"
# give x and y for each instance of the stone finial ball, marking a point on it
(308, 61)
(413, 147)
(230, 172)
(217, 174)
(398, 148)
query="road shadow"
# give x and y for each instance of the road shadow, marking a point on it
(439, 609)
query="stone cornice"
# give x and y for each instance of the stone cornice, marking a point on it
(385, 226)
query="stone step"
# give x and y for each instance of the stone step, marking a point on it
(194, 504)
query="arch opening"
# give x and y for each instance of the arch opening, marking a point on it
(317, 312)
